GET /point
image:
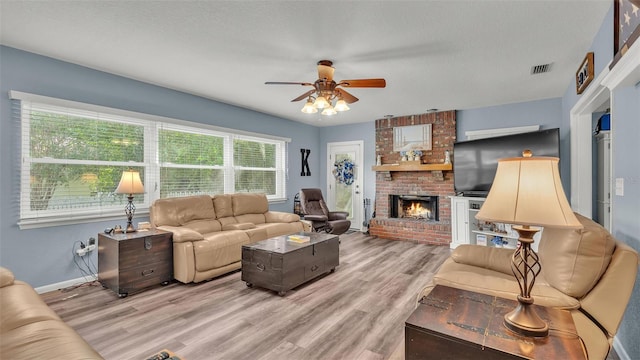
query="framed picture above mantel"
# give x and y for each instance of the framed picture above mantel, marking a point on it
(626, 27)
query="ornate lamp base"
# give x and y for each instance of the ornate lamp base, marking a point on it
(129, 210)
(525, 266)
(525, 321)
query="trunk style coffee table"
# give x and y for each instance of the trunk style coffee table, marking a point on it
(280, 265)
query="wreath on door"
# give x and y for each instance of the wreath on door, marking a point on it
(343, 171)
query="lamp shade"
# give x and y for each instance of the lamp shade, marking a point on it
(130, 183)
(528, 191)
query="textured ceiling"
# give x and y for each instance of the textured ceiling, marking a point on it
(434, 54)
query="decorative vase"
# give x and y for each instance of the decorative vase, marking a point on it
(447, 157)
(405, 158)
(416, 158)
(379, 160)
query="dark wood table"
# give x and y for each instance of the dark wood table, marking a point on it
(457, 324)
(280, 265)
(131, 262)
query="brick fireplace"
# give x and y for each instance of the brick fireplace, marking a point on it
(434, 187)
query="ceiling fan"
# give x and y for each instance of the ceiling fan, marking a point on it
(326, 90)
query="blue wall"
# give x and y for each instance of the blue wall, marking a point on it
(43, 256)
(625, 123)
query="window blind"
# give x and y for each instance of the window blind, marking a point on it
(73, 155)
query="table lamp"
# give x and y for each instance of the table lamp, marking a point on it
(527, 192)
(130, 184)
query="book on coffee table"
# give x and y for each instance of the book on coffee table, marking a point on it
(299, 238)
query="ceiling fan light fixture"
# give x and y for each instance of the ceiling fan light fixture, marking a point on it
(341, 105)
(321, 102)
(329, 110)
(308, 107)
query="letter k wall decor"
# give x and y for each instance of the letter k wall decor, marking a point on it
(304, 155)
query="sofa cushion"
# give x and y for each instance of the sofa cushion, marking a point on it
(204, 226)
(182, 234)
(249, 203)
(21, 305)
(181, 210)
(481, 280)
(487, 257)
(239, 226)
(219, 249)
(251, 218)
(574, 260)
(6, 277)
(223, 205)
(46, 339)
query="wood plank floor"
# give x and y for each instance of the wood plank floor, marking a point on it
(358, 312)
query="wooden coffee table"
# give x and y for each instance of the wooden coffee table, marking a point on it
(457, 324)
(280, 265)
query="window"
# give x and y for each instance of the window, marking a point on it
(73, 156)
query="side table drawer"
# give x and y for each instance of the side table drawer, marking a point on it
(159, 271)
(145, 250)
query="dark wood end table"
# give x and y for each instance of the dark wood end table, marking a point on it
(457, 324)
(130, 262)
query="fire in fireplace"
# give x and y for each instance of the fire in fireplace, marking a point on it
(422, 207)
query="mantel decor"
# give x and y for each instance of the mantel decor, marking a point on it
(415, 137)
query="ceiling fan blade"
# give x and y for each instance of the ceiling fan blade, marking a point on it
(304, 96)
(364, 83)
(325, 72)
(346, 96)
(287, 83)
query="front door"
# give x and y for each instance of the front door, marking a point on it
(344, 179)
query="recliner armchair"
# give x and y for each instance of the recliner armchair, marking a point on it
(315, 210)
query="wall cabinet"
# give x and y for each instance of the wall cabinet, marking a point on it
(466, 229)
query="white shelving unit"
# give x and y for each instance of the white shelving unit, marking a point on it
(465, 229)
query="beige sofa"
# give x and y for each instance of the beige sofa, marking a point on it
(29, 329)
(585, 271)
(208, 232)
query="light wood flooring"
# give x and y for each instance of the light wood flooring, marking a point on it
(358, 312)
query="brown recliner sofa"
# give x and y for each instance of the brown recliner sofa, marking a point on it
(29, 329)
(585, 271)
(209, 231)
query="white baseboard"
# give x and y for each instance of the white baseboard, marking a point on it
(622, 353)
(63, 284)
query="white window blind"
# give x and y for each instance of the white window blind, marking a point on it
(73, 155)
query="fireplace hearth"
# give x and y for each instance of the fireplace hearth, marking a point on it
(420, 207)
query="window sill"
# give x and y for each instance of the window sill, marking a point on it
(26, 224)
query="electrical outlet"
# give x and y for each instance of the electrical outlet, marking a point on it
(92, 241)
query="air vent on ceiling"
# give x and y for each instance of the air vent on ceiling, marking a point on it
(539, 69)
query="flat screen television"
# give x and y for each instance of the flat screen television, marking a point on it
(475, 161)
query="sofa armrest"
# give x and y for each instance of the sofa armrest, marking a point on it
(315, 217)
(6, 277)
(497, 259)
(280, 217)
(182, 234)
(338, 215)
